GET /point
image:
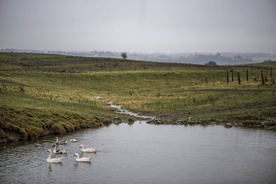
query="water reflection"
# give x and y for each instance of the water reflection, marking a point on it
(55, 165)
(82, 164)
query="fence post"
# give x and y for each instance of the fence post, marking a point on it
(271, 76)
(239, 79)
(262, 74)
(227, 77)
(247, 75)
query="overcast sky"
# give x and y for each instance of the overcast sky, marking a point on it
(170, 26)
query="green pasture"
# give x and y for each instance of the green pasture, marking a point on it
(37, 84)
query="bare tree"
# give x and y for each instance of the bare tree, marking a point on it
(124, 55)
(211, 63)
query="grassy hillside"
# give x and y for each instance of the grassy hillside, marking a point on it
(42, 94)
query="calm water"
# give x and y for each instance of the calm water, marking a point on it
(142, 153)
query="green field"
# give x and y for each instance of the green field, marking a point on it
(55, 94)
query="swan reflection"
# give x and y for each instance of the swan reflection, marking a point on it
(50, 168)
(82, 165)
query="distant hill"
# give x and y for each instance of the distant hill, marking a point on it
(223, 58)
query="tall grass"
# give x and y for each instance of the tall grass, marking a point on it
(78, 90)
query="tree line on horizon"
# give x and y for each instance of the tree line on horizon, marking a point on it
(224, 58)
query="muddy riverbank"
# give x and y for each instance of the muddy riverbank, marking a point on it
(269, 124)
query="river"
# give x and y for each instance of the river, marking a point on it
(143, 153)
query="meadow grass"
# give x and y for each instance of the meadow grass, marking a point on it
(79, 88)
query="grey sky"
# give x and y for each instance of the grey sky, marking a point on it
(139, 25)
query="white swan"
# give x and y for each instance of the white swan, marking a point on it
(87, 150)
(61, 142)
(53, 160)
(83, 159)
(59, 151)
(73, 140)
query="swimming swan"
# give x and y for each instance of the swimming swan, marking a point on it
(83, 159)
(59, 151)
(61, 142)
(87, 150)
(73, 140)
(53, 160)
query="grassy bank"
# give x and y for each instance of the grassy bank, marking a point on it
(40, 94)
